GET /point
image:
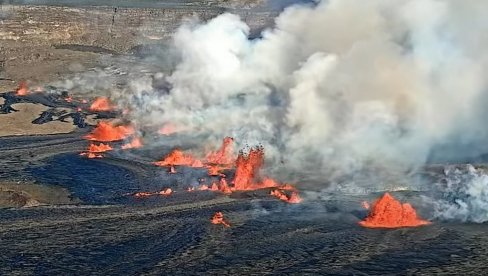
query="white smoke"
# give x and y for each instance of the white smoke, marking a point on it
(465, 195)
(335, 87)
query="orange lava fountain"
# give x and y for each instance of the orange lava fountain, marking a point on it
(106, 132)
(99, 148)
(22, 90)
(134, 144)
(101, 104)
(247, 168)
(224, 155)
(94, 150)
(387, 212)
(178, 158)
(218, 218)
(221, 159)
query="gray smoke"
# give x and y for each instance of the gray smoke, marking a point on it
(351, 95)
(465, 195)
(336, 87)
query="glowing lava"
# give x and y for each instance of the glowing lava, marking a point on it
(387, 212)
(218, 218)
(134, 144)
(94, 150)
(101, 104)
(166, 192)
(224, 155)
(99, 148)
(247, 168)
(293, 198)
(178, 158)
(106, 132)
(91, 155)
(22, 90)
(216, 170)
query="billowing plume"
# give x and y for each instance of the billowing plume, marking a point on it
(335, 87)
(465, 195)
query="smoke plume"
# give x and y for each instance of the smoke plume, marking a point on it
(349, 94)
(334, 87)
(465, 195)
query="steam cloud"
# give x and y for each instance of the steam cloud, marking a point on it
(465, 195)
(336, 88)
(337, 85)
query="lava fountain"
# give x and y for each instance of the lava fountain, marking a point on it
(101, 104)
(387, 212)
(247, 168)
(178, 158)
(106, 132)
(224, 155)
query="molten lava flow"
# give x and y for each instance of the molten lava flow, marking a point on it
(101, 104)
(224, 188)
(91, 155)
(22, 90)
(166, 192)
(387, 212)
(203, 187)
(106, 132)
(134, 144)
(143, 194)
(93, 148)
(279, 194)
(215, 170)
(178, 158)
(218, 218)
(247, 168)
(288, 187)
(224, 155)
(268, 183)
(294, 198)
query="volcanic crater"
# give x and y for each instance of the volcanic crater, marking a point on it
(84, 191)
